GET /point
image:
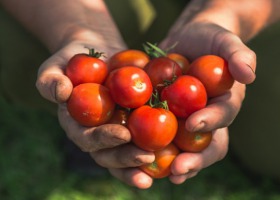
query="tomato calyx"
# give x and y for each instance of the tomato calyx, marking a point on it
(95, 54)
(153, 50)
(155, 101)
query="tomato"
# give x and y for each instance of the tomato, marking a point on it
(191, 141)
(160, 168)
(129, 86)
(120, 116)
(130, 57)
(185, 96)
(213, 72)
(90, 104)
(181, 60)
(86, 68)
(152, 128)
(162, 69)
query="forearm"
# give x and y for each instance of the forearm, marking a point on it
(245, 18)
(57, 22)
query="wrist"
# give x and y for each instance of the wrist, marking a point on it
(244, 18)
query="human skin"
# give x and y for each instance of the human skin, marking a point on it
(206, 27)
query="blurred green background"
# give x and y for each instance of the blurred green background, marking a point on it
(32, 160)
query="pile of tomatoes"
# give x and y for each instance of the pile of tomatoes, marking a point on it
(151, 96)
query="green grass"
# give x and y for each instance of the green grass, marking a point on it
(32, 167)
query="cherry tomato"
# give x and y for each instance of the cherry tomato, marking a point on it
(152, 128)
(185, 96)
(213, 72)
(120, 116)
(130, 57)
(191, 141)
(160, 168)
(86, 68)
(162, 69)
(181, 60)
(90, 104)
(129, 86)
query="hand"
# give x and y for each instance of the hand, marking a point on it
(195, 38)
(107, 144)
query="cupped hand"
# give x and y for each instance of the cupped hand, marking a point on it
(195, 39)
(109, 144)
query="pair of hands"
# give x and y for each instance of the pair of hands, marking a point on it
(109, 145)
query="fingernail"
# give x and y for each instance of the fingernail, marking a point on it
(145, 159)
(53, 91)
(198, 127)
(251, 69)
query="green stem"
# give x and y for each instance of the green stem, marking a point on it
(153, 51)
(95, 54)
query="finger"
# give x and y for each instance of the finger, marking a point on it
(194, 162)
(51, 82)
(113, 157)
(220, 111)
(133, 177)
(179, 179)
(95, 138)
(241, 59)
(197, 39)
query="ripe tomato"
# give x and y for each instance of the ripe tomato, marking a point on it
(86, 68)
(120, 116)
(160, 168)
(162, 69)
(90, 104)
(213, 72)
(181, 60)
(191, 142)
(185, 96)
(130, 57)
(129, 86)
(152, 128)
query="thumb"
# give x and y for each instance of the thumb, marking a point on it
(52, 83)
(241, 59)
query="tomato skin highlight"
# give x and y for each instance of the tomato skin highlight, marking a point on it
(185, 96)
(213, 72)
(191, 141)
(83, 68)
(90, 104)
(129, 57)
(129, 86)
(162, 69)
(152, 128)
(181, 60)
(160, 168)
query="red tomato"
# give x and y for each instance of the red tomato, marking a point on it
(129, 86)
(152, 128)
(130, 57)
(191, 142)
(90, 104)
(213, 72)
(86, 68)
(162, 69)
(181, 60)
(120, 116)
(160, 168)
(185, 96)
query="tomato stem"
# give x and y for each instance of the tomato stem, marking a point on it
(153, 51)
(155, 102)
(95, 54)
